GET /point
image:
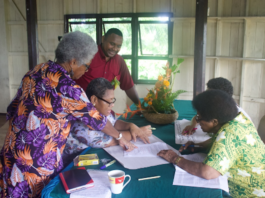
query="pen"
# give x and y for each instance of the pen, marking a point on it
(108, 164)
(191, 130)
(192, 145)
(146, 178)
(152, 128)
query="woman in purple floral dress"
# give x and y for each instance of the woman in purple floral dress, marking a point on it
(40, 116)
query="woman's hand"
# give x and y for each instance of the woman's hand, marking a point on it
(188, 130)
(182, 148)
(126, 145)
(142, 132)
(168, 155)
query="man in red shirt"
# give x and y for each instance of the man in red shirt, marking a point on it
(108, 64)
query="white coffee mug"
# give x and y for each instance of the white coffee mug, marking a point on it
(116, 178)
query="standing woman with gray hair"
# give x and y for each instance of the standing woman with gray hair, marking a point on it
(46, 105)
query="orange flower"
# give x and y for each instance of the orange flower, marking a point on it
(158, 84)
(145, 99)
(160, 77)
(150, 103)
(166, 83)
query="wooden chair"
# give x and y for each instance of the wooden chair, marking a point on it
(261, 129)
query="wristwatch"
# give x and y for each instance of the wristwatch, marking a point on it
(120, 136)
(177, 160)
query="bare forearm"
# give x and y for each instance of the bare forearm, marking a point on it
(110, 130)
(122, 126)
(133, 95)
(198, 169)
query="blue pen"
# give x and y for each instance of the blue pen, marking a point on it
(108, 164)
(192, 145)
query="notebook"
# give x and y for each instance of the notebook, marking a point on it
(76, 180)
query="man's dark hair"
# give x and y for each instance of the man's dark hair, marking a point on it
(98, 87)
(215, 104)
(221, 84)
(113, 31)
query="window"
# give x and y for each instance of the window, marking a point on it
(147, 39)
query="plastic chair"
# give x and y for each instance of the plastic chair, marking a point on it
(261, 129)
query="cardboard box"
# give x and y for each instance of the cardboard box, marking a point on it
(86, 160)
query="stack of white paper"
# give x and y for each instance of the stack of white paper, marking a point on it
(197, 137)
(183, 178)
(101, 187)
(133, 162)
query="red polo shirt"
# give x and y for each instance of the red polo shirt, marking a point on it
(115, 67)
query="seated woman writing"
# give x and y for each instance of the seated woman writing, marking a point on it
(236, 149)
(100, 92)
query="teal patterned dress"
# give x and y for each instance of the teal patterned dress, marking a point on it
(239, 153)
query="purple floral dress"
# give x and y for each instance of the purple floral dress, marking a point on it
(40, 116)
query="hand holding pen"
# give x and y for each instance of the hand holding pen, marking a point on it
(189, 145)
(189, 130)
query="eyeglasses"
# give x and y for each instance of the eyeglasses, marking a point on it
(198, 119)
(114, 100)
(87, 67)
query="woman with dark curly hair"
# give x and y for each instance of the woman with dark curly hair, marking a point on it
(236, 149)
(219, 84)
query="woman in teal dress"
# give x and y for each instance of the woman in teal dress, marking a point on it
(236, 149)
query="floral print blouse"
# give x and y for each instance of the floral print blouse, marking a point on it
(239, 153)
(40, 116)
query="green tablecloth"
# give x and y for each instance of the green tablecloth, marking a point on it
(161, 187)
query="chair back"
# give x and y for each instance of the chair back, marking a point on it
(261, 129)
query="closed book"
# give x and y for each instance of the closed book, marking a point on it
(76, 180)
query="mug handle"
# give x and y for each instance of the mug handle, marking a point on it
(127, 181)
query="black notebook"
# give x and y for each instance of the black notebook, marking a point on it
(76, 180)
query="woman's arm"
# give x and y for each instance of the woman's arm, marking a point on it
(195, 168)
(142, 132)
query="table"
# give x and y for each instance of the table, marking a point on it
(161, 187)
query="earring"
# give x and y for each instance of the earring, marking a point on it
(94, 104)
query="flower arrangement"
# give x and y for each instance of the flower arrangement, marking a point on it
(160, 99)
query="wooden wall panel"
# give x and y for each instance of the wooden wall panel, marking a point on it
(18, 38)
(232, 39)
(116, 6)
(233, 7)
(18, 65)
(80, 6)
(230, 69)
(153, 6)
(50, 9)
(48, 35)
(209, 70)
(256, 8)
(211, 38)
(213, 6)
(184, 8)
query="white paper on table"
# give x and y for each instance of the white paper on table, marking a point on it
(138, 162)
(197, 137)
(147, 150)
(101, 187)
(183, 178)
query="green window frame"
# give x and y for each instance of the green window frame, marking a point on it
(139, 59)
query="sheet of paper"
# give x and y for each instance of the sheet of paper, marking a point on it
(137, 162)
(197, 137)
(101, 187)
(183, 178)
(147, 150)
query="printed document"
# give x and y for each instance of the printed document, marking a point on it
(183, 178)
(101, 187)
(197, 137)
(147, 150)
(138, 162)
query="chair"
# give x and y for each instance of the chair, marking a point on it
(261, 129)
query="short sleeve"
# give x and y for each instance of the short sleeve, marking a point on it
(80, 108)
(223, 154)
(126, 81)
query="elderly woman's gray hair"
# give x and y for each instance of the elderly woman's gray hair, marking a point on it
(76, 45)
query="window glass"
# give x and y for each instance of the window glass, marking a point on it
(129, 64)
(117, 19)
(126, 30)
(153, 18)
(154, 39)
(150, 69)
(83, 20)
(90, 29)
